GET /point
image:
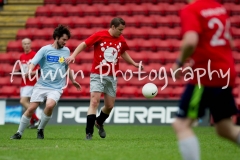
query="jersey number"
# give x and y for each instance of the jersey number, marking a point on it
(216, 38)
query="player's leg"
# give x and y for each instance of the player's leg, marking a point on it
(222, 116)
(53, 97)
(187, 140)
(96, 90)
(91, 114)
(25, 94)
(226, 129)
(109, 100)
(25, 120)
(190, 108)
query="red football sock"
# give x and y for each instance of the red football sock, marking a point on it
(34, 116)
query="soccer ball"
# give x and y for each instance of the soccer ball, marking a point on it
(149, 90)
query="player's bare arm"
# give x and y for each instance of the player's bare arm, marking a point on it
(79, 49)
(74, 82)
(129, 60)
(189, 43)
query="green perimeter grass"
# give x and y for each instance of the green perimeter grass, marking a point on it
(123, 142)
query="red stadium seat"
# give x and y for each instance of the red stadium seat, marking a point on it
(65, 21)
(235, 21)
(76, 33)
(74, 10)
(48, 22)
(14, 46)
(133, 21)
(72, 44)
(139, 9)
(58, 11)
(236, 92)
(8, 91)
(15, 57)
(235, 32)
(173, 9)
(122, 9)
(163, 21)
(170, 57)
(81, 22)
(236, 57)
(178, 91)
(72, 2)
(129, 92)
(133, 45)
(155, 57)
(128, 32)
(72, 91)
(106, 10)
(235, 10)
(16, 80)
(156, 32)
(147, 21)
(23, 33)
(156, 9)
(90, 10)
(56, 2)
(162, 45)
(44, 34)
(6, 58)
(147, 45)
(98, 22)
(140, 32)
(135, 81)
(165, 93)
(86, 57)
(140, 56)
(173, 33)
(43, 11)
(33, 22)
(5, 81)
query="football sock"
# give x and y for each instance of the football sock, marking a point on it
(44, 120)
(24, 122)
(34, 116)
(101, 118)
(90, 123)
(189, 148)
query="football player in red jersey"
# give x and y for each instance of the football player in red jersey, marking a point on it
(109, 46)
(207, 42)
(27, 85)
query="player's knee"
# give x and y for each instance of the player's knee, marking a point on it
(94, 103)
(180, 125)
(22, 101)
(50, 105)
(109, 107)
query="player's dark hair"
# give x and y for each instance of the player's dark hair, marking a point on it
(117, 21)
(60, 30)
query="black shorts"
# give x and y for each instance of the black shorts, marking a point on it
(195, 101)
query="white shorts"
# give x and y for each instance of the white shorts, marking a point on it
(26, 91)
(40, 94)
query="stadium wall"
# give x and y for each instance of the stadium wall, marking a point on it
(129, 111)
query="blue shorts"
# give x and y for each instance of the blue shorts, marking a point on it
(195, 101)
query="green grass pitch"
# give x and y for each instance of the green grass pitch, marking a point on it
(123, 142)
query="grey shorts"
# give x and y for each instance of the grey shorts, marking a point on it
(108, 85)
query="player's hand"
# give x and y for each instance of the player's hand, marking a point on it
(77, 85)
(137, 65)
(70, 60)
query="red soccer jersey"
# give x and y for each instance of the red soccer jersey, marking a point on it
(209, 19)
(25, 59)
(107, 49)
